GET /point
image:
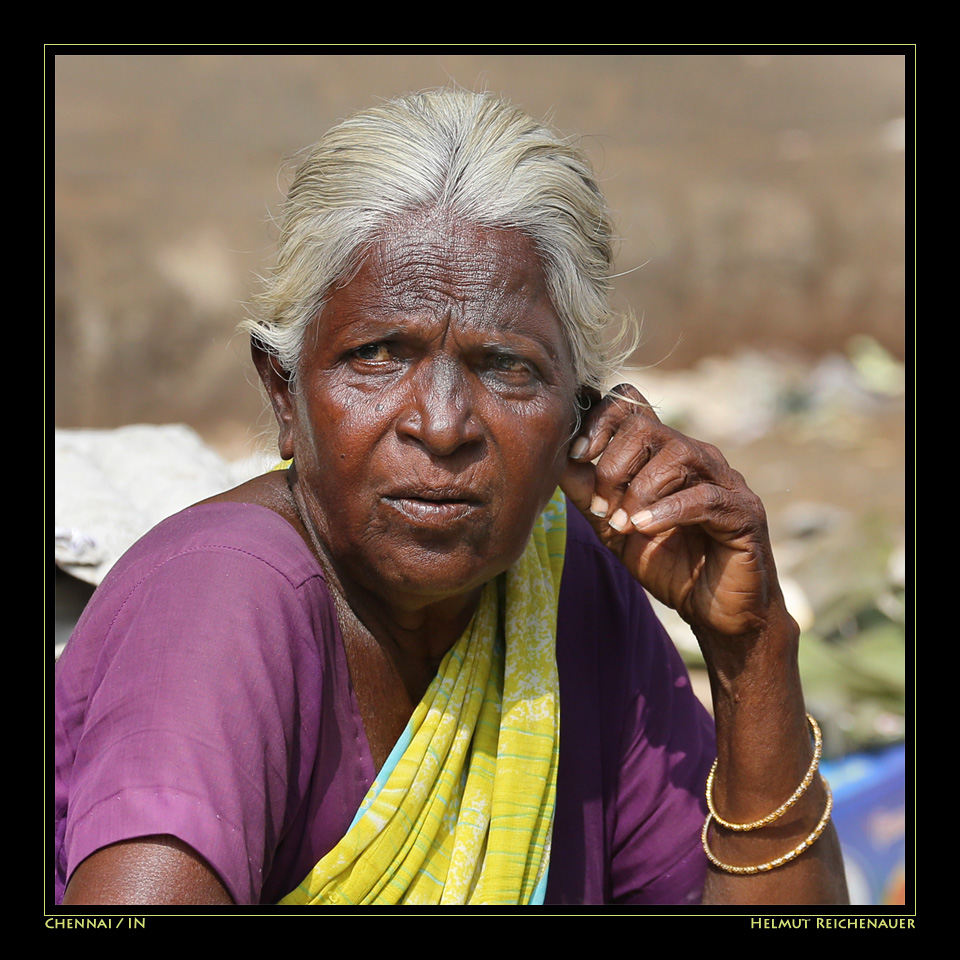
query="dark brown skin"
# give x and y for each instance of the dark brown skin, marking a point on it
(148, 870)
(688, 528)
(434, 379)
(431, 383)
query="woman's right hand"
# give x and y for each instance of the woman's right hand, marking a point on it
(682, 521)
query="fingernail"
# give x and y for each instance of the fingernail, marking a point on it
(641, 519)
(579, 448)
(599, 507)
(619, 520)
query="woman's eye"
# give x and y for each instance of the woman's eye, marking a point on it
(374, 352)
(505, 363)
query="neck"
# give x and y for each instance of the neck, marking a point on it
(412, 630)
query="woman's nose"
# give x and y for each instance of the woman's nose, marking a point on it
(440, 414)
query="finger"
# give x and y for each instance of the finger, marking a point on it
(632, 398)
(577, 482)
(600, 421)
(637, 440)
(614, 430)
(646, 460)
(724, 514)
(678, 463)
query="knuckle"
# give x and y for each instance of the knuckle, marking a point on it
(713, 454)
(608, 471)
(669, 509)
(636, 429)
(749, 515)
(677, 450)
(626, 393)
(712, 495)
(736, 479)
(629, 400)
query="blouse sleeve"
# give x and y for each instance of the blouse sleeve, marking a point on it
(194, 715)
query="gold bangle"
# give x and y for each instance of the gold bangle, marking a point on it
(780, 861)
(784, 807)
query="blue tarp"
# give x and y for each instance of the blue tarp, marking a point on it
(870, 816)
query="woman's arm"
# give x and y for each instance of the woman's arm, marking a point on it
(690, 531)
(148, 870)
(180, 696)
(764, 753)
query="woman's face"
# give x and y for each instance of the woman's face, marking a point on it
(432, 411)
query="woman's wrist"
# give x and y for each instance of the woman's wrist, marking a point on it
(751, 667)
(764, 745)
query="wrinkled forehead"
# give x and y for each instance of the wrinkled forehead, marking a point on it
(430, 260)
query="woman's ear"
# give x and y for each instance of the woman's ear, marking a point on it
(586, 398)
(276, 381)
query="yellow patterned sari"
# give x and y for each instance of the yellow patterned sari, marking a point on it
(462, 811)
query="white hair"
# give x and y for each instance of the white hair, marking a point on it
(471, 156)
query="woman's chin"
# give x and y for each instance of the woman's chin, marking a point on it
(423, 571)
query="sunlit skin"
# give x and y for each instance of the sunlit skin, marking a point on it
(430, 417)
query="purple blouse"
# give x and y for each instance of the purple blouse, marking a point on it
(205, 694)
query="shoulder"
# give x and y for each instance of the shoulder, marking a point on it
(244, 529)
(213, 571)
(200, 666)
(216, 582)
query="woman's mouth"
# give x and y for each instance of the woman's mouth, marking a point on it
(432, 510)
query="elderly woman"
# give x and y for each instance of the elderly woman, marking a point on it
(408, 668)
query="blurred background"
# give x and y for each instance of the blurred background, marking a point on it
(761, 201)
